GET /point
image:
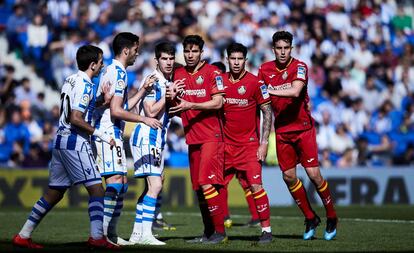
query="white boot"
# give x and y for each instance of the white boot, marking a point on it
(150, 240)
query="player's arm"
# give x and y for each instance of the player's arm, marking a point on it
(293, 91)
(105, 98)
(215, 103)
(266, 110)
(134, 99)
(119, 112)
(152, 108)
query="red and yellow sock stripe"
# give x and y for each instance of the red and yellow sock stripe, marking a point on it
(209, 193)
(296, 186)
(259, 194)
(323, 186)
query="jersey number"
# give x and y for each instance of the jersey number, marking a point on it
(118, 151)
(65, 109)
(156, 156)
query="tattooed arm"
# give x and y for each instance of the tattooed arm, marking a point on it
(267, 123)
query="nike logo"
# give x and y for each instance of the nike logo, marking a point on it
(310, 160)
(257, 176)
(272, 76)
(211, 176)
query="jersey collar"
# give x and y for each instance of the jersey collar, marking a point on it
(198, 67)
(84, 76)
(119, 64)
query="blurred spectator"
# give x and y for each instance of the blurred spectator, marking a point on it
(25, 92)
(348, 159)
(7, 85)
(36, 158)
(16, 27)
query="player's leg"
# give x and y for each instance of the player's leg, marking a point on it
(288, 159)
(194, 152)
(148, 210)
(39, 211)
(137, 229)
(228, 176)
(160, 223)
(309, 160)
(254, 219)
(211, 180)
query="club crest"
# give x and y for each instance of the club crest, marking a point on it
(199, 80)
(285, 75)
(241, 90)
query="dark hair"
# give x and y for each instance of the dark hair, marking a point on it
(86, 55)
(124, 40)
(236, 48)
(164, 47)
(282, 35)
(193, 40)
(220, 66)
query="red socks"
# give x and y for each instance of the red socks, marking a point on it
(325, 195)
(262, 206)
(214, 201)
(299, 195)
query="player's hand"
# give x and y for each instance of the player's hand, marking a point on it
(112, 143)
(149, 81)
(176, 88)
(183, 105)
(262, 152)
(151, 122)
(106, 90)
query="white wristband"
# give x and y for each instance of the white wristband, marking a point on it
(101, 135)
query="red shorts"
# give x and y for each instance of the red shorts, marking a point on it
(242, 162)
(297, 147)
(206, 163)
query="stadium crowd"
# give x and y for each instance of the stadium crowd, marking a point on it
(360, 56)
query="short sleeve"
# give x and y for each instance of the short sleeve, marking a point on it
(82, 96)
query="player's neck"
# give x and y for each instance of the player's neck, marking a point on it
(122, 61)
(167, 76)
(89, 73)
(193, 69)
(283, 65)
(235, 77)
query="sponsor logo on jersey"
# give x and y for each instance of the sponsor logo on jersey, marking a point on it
(285, 75)
(241, 90)
(197, 93)
(282, 87)
(199, 80)
(219, 83)
(265, 93)
(301, 72)
(237, 101)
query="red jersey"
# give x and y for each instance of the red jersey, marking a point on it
(200, 86)
(240, 110)
(291, 114)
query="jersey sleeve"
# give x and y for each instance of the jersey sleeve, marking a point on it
(217, 87)
(261, 94)
(119, 83)
(82, 97)
(301, 72)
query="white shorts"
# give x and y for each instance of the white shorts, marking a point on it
(110, 161)
(148, 160)
(69, 167)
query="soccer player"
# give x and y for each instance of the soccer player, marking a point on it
(287, 80)
(72, 159)
(228, 222)
(199, 107)
(244, 150)
(147, 145)
(111, 161)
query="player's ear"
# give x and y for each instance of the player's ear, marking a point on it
(92, 66)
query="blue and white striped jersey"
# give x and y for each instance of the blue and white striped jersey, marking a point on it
(144, 134)
(77, 94)
(116, 75)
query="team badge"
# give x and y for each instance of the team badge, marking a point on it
(199, 80)
(241, 90)
(219, 83)
(285, 75)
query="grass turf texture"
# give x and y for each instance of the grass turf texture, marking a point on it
(361, 229)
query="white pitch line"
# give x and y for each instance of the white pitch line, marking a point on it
(18, 213)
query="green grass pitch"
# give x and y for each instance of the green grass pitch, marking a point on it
(361, 229)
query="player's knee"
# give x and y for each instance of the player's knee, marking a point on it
(256, 187)
(289, 179)
(114, 179)
(95, 190)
